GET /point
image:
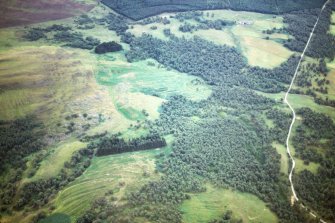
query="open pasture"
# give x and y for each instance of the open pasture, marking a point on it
(58, 155)
(121, 173)
(210, 205)
(300, 101)
(145, 85)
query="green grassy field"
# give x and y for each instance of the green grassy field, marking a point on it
(148, 77)
(331, 78)
(332, 27)
(144, 85)
(284, 159)
(300, 101)
(106, 173)
(54, 162)
(211, 204)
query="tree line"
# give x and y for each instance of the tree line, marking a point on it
(140, 9)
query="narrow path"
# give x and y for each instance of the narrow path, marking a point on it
(293, 112)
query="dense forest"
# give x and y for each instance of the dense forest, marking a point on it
(18, 140)
(107, 47)
(314, 142)
(115, 145)
(140, 9)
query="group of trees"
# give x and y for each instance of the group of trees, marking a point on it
(116, 23)
(281, 121)
(76, 40)
(84, 22)
(227, 217)
(35, 34)
(63, 34)
(107, 47)
(322, 42)
(155, 19)
(309, 71)
(18, 139)
(218, 24)
(300, 25)
(115, 145)
(314, 142)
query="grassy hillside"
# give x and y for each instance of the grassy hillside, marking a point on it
(118, 173)
(23, 12)
(209, 205)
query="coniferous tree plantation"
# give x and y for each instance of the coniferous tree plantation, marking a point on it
(167, 111)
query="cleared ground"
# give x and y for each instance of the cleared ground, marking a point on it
(211, 204)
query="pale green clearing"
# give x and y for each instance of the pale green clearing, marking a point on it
(331, 78)
(145, 85)
(332, 26)
(276, 96)
(221, 37)
(54, 162)
(300, 101)
(209, 205)
(264, 53)
(284, 159)
(106, 173)
(300, 166)
(331, 65)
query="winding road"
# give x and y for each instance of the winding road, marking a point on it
(293, 112)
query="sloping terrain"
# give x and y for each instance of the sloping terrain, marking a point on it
(23, 12)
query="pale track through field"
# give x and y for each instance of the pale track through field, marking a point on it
(294, 115)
